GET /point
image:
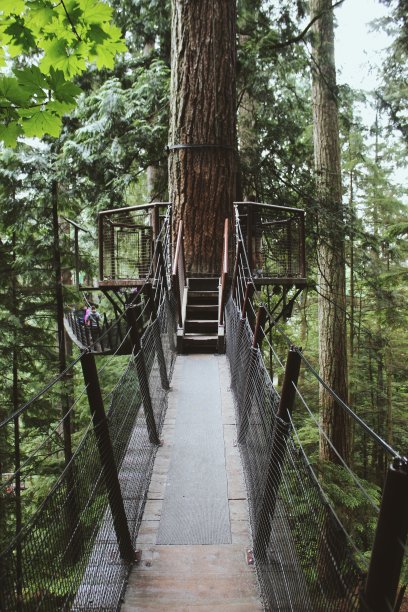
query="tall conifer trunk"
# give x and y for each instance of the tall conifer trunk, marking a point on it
(331, 257)
(202, 136)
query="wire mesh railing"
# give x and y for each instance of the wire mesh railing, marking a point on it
(126, 241)
(274, 240)
(315, 524)
(68, 527)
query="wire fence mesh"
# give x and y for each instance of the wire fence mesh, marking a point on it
(127, 239)
(321, 541)
(304, 559)
(64, 553)
(274, 240)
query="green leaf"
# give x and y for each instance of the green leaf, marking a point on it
(56, 30)
(32, 81)
(59, 56)
(60, 108)
(20, 34)
(40, 15)
(11, 91)
(42, 122)
(15, 7)
(9, 133)
(94, 11)
(97, 34)
(64, 91)
(104, 57)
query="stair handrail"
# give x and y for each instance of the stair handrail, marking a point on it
(179, 274)
(224, 274)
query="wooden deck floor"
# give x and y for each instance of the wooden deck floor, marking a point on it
(185, 577)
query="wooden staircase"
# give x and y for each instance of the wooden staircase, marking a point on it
(201, 320)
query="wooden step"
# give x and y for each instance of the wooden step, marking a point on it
(202, 311)
(202, 297)
(201, 326)
(199, 343)
(203, 284)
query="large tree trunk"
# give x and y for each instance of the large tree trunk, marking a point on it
(202, 138)
(331, 259)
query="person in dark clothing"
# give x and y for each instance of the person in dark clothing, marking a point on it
(92, 317)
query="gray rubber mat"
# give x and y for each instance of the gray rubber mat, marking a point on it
(195, 506)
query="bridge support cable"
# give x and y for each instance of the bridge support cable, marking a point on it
(381, 587)
(142, 376)
(107, 459)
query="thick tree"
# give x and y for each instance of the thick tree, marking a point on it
(331, 252)
(202, 136)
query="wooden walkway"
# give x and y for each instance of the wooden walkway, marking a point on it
(180, 578)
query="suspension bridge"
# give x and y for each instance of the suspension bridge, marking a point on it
(188, 480)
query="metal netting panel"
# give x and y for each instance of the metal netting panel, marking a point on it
(151, 343)
(304, 559)
(168, 326)
(56, 544)
(274, 240)
(67, 556)
(126, 244)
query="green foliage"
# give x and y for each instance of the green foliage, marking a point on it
(53, 43)
(121, 129)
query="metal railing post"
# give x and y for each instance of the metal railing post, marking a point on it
(142, 377)
(157, 338)
(279, 434)
(107, 459)
(380, 592)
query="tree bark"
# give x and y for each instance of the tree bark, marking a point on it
(331, 256)
(203, 114)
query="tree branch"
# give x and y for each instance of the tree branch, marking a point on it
(302, 34)
(70, 21)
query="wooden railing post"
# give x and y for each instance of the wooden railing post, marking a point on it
(380, 592)
(157, 338)
(107, 459)
(279, 434)
(142, 377)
